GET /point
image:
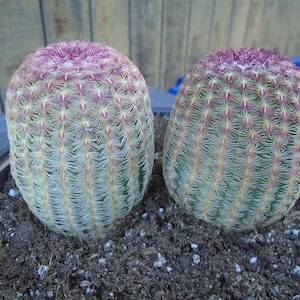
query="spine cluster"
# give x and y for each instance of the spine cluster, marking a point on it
(232, 147)
(81, 136)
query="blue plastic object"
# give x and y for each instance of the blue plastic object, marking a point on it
(296, 61)
(174, 89)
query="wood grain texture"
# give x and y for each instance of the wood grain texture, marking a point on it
(268, 22)
(174, 40)
(286, 30)
(238, 24)
(20, 34)
(145, 38)
(111, 23)
(66, 20)
(199, 31)
(220, 25)
(254, 24)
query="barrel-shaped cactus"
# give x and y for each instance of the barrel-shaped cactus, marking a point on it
(80, 128)
(232, 147)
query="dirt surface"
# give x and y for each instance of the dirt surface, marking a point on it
(156, 252)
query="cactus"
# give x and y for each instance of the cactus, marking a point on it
(232, 147)
(80, 128)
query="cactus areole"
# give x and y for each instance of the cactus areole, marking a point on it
(232, 147)
(80, 128)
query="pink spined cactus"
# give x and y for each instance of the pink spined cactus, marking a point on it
(232, 147)
(80, 128)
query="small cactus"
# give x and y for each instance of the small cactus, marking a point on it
(80, 128)
(232, 147)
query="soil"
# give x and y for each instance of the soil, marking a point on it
(156, 252)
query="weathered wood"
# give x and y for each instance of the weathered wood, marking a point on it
(199, 31)
(220, 25)
(238, 24)
(21, 33)
(174, 41)
(287, 30)
(254, 24)
(111, 23)
(66, 20)
(145, 38)
(267, 28)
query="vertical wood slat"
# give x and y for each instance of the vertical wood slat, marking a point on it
(174, 39)
(21, 33)
(111, 23)
(286, 30)
(66, 20)
(239, 13)
(145, 37)
(220, 25)
(254, 23)
(199, 31)
(267, 23)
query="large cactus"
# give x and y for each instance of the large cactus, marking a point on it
(81, 136)
(232, 147)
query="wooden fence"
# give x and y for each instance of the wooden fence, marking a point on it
(163, 37)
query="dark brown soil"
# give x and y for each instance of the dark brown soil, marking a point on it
(156, 252)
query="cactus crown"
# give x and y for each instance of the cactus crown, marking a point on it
(80, 127)
(246, 58)
(231, 152)
(76, 59)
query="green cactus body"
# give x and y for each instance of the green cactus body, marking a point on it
(81, 136)
(232, 147)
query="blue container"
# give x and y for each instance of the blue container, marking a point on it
(296, 61)
(174, 89)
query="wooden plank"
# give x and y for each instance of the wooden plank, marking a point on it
(145, 38)
(21, 32)
(238, 25)
(111, 23)
(220, 25)
(287, 27)
(199, 31)
(66, 20)
(254, 24)
(174, 39)
(267, 30)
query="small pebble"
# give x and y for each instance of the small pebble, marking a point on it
(194, 246)
(50, 294)
(85, 283)
(295, 232)
(13, 193)
(169, 269)
(42, 270)
(129, 232)
(107, 245)
(102, 261)
(144, 215)
(253, 260)
(161, 210)
(169, 226)
(196, 259)
(160, 261)
(296, 270)
(237, 268)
